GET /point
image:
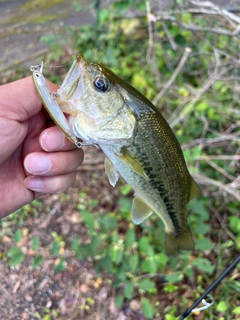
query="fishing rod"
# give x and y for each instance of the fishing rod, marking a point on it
(206, 293)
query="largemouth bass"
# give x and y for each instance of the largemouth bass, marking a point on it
(138, 144)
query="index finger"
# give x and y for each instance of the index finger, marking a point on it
(53, 139)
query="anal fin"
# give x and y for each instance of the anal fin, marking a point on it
(140, 210)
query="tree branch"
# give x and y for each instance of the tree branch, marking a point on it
(174, 75)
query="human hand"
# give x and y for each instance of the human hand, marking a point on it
(35, 156)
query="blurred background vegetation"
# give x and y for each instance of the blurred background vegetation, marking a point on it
(185, 57)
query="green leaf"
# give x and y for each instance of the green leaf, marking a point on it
(147, 308)
(161, 260)
(35, 243)
(18, 235)
(196, 151)
(75, 244)
(125, 190)
(204, 244)
(104, 264)
(128, 290)
(149, 265)
(60, 266)
(124, 4)
(125, 207)
(234, 223)
(37, 261)
(203, 265)
(88, 219)
(55, 248)
(145, 247)
(89, 250)
(37, 315)
(130, 237)
(93, 203)
(139, 81)
(147, 285)
(108, 222)
(17, 259)
(222, 306)
(16, 256)
(202, 228)
(198, 207)
(236, 310)
(103, 15)
(202, 106)
(116, 254)
(13, 251)
(119, 300)
(94, 245)
(121, 275)
(133, 261)
(174, 277)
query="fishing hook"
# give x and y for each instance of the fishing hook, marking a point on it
(206, 304)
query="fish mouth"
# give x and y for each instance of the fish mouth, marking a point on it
(72, 86)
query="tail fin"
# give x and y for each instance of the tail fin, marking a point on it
(175, 243)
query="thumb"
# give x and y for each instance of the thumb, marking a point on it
(19, 100)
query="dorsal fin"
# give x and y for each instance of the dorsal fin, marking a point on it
(195, 190)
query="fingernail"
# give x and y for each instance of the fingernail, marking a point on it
(52, 140)
(34, 183)
(37, 164)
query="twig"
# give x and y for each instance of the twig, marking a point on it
(236, 183)
(221, 170)
(208, 83)
(196, 28)
(150, 29)
(222, 157)
(209, 141)
(205, 180)
(170, 38)
(174, 75)
(224, 226)
(223, 12)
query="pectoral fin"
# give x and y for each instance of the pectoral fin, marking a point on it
(111, 172)
(140, 210)
(133, 163)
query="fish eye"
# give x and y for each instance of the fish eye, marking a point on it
(101, 84)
